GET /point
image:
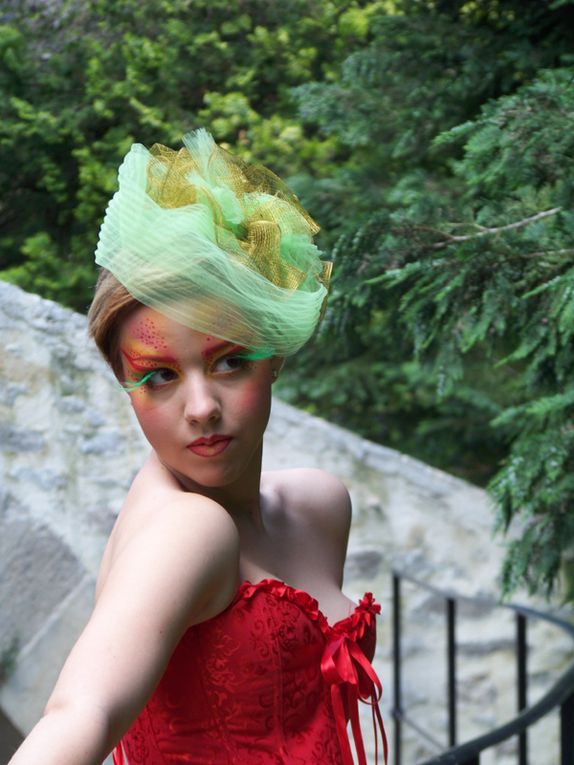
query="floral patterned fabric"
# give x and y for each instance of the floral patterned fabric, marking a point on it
(266, 682)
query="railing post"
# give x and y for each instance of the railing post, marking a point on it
(560, 695)
(397, 700)
(567, 731)
(522, 682)
(451, 668)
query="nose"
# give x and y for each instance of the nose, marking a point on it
(201, 405)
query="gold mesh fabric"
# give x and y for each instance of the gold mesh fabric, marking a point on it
(170, 185)
(189, 228)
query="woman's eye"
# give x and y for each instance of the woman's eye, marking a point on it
(162, 377)
(158, 377)
(155, 378)
(233, 363)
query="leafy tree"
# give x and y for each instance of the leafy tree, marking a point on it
(462, 257)
(79, 82)
(428, 67)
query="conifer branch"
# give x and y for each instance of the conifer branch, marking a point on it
(487, 231)
(546, 253)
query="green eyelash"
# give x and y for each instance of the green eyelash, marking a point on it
(130, 385)
(255, 355)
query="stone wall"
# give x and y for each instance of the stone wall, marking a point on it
(69, 447)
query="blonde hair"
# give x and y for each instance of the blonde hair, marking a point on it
(112, 304)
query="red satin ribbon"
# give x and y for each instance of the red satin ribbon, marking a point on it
(351, 679)
(118, 755)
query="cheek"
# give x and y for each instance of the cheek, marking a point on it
(152, 419)
(254, 399)
(142, 403)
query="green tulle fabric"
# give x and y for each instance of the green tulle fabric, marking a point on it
(215, 244)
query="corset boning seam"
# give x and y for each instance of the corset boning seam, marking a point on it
(278, 705)
(215, 711)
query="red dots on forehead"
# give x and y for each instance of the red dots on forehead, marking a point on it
(146, 330)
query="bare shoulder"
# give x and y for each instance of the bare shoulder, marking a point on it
(178, 544)
(317, 496)
(311, 516)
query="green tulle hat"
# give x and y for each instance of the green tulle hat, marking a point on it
(215, 244)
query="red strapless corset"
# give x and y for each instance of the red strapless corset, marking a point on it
(266, 682)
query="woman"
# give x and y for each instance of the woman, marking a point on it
(207, 644)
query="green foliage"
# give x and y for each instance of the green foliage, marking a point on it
(427, 68)
(486, 304)
(8, 660)
(79, 82)
(452, 214)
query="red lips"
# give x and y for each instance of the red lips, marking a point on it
(210, 446)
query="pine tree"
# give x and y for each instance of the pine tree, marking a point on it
(463, 260)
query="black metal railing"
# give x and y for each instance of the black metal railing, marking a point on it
(560, 696)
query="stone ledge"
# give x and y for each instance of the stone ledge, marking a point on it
(25, 694)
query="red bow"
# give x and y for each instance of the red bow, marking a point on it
(351, 678)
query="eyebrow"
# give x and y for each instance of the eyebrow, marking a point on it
(208, 353)
(133, 360)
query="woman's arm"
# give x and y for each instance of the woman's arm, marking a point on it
(178, 570)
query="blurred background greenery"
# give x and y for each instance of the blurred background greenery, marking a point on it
(432, 140)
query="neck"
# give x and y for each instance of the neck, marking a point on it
(241, 498)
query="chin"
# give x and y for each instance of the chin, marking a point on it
(207, 479)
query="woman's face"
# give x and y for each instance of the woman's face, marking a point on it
(203, 407)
